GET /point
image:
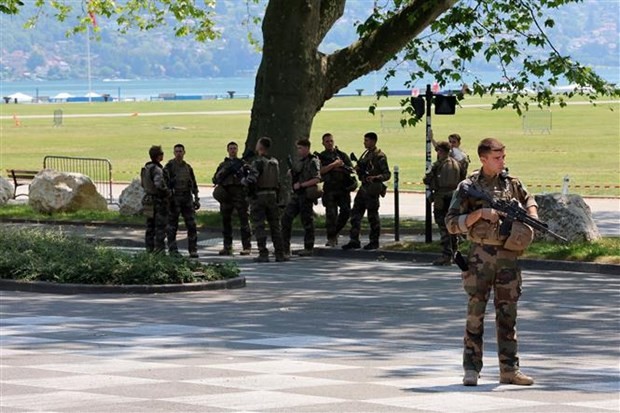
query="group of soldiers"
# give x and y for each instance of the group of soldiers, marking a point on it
(254, 184)
(251, 187)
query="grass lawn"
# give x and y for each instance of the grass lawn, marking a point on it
(583, 144)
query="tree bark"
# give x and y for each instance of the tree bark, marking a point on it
(294, 79)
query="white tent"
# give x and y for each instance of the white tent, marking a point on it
(62, 96)
(92, 95)
(21, 97)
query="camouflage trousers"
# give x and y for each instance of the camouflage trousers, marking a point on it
(182, 205)
(441, 204)
(298, 205)
(363, 203)
(238, 203)
(492, 268)
(155, 234)
(337, 211)
(264, 207)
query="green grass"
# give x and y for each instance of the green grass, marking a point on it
(605, 250)
(204, 219)
(46, 255)
(584, 141)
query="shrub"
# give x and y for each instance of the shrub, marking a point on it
(44, 255)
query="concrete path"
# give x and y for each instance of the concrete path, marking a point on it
(308, 336)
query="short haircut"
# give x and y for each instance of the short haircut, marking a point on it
(303, 142)
(444, 146)
(155, 151)
(489, 145)
(231, 143)
(455, 136)
(265, 142)
(326, 135)
(371, 135)
(179, 145)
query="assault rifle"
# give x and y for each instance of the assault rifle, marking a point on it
(511, 212)
(235, 167)
(294, 175)
(362, 168)
(344, 166)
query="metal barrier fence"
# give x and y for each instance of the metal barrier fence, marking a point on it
(97, 169)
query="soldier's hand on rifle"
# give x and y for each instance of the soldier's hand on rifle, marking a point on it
(370, 178)
(489, 214)
(296, 186)
(337, 163)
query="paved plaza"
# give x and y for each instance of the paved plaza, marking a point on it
(311, 335)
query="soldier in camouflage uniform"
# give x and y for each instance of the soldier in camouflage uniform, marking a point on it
(306, 175)
(156, 200)
(232, 197)
(336, 168)
(456, 152)
(183, 185)
(492, 265)
(443, 179)
(372, 169)
(264, 187)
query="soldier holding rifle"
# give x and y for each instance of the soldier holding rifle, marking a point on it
(492, 260)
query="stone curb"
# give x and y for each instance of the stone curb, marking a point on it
(424, 257)
(71, 289)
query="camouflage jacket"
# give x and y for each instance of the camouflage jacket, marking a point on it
(374, 163)
(499, 187)
(306, 169)
(225, 172)
(337, 178)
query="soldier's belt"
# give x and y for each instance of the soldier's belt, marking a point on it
(491, 242)
(266, 191)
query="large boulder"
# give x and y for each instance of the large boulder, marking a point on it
(567, 215)
(52, 191)
(130, 200)
(6, 191)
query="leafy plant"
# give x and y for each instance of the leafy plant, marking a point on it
(44, 255)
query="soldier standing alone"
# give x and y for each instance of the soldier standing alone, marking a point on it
(263, 179)
(492, 262)
(155, 202)
(372, 169)
(336, 168)
(183, 185)
(232, 195)
(443, 178)
(305, 173)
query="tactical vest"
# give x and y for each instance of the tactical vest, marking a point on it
(269, 174)
(483, 231)
(180, 176)
(448, 175)
(146, 179)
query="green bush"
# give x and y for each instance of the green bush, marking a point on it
(37, 255)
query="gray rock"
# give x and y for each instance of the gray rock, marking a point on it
(6, 191)
(567, 215)
(51, 191)
(130, 200)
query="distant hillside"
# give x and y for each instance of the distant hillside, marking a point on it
(588, 31)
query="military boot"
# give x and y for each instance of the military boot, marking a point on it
(470, 378)
(226, 251)
(262, 258)
(515, 377)
(443, 260)
(352, 245)
(373, 245)
(332, 241)
(305, 252)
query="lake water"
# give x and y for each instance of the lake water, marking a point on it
(144, 89)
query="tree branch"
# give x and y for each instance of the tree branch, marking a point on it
(376, 48)
(331, 11)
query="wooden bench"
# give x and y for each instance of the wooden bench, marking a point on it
(19, 176)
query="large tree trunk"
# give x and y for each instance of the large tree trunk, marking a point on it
(295, 79)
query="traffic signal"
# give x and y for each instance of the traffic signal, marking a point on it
(418, 104)
(445, 105)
